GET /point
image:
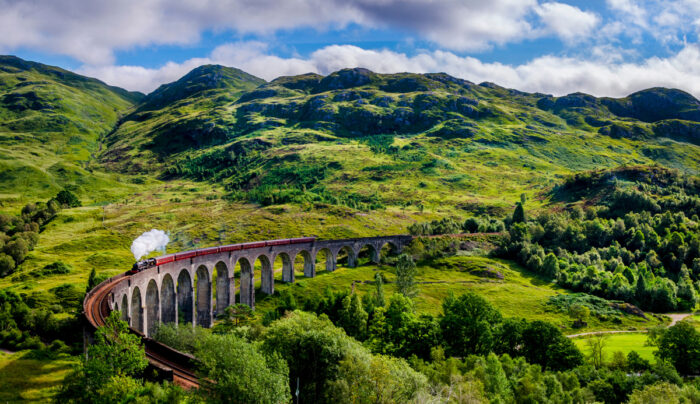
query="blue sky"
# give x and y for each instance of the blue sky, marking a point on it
(603, 47)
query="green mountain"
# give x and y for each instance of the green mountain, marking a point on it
(354, 137)
(51, 121)
(363, 139)
(191, 113)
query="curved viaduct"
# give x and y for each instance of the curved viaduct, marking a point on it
(196, 289)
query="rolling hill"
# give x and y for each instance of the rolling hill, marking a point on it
(51, 121)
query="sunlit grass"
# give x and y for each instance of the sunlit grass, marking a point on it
(623, 342)
(23, 379)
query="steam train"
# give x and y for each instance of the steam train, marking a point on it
(152, 262)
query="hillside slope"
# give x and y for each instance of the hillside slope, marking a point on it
(51, 121)
(190, 113)
(367, 140)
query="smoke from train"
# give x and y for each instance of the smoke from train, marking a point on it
(148, 242)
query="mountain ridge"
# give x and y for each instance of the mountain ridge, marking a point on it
(376, 138)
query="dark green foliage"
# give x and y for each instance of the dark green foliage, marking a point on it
(405, 276)
(312, 348)
(519, 214)
(236, 371)
(467, 324)
(116, 355)
(68, 199)
(680, 345)
(352, 317)
(19, 235)
(379, 300)
(7, 264)
(636, 363)
(544, 344)
(638, 248)
(29, 323)
(55, 268)
(92, 280)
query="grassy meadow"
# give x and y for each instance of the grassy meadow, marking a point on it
(23, 378)
(623, 342)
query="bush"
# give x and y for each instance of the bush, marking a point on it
(68, 199)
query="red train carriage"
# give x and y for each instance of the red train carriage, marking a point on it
(165, 259)
(255, 244)
(230, 247)
(277, 242)
(300, 240)
(185, 255)
(152, 262)
(207, 251)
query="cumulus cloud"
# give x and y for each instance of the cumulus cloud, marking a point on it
(91, 30)
(549, 74)
(569, 23)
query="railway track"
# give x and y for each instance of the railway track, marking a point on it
(166, 359)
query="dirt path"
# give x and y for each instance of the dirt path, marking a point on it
(675, 317)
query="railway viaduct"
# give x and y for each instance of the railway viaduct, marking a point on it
(183, 291)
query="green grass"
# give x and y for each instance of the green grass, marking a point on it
(624, 342)
(23, 379)
(519, 294)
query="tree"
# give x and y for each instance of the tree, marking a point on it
(405, 276)
(596, 343)
(17, 249)
(636, 363)
(366, 378)
(312, 347)
(115, 353)
(659, 393)
(353, 317)
(509, 336)
(579, 312)
(67, 198)
(680, 345)
(519, 213)
(544, 344)
(236, 372)
(7, 264)
(467, 323)
(92, 280)
(550, 267)
(237, 314)
(379, 300)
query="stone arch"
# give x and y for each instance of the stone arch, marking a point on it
(267, 276)
(388, 249)
(184, 297)
(329, 258)
(371, 251)
(309, 263)
(203, 296)
(125, 308)
(152, 307)
(136, 309)
(247, 282)
(168, 303)
(287, 267)
(351, 261)
(223, 296)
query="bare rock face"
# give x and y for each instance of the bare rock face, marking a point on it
(629, 309)
(346, 78)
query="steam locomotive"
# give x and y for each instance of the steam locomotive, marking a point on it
(152, 262)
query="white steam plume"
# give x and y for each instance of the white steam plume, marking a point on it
(149, 241)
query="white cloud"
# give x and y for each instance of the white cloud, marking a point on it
(549, 74)
(91, 30)
(569, 23)
(630, 9)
